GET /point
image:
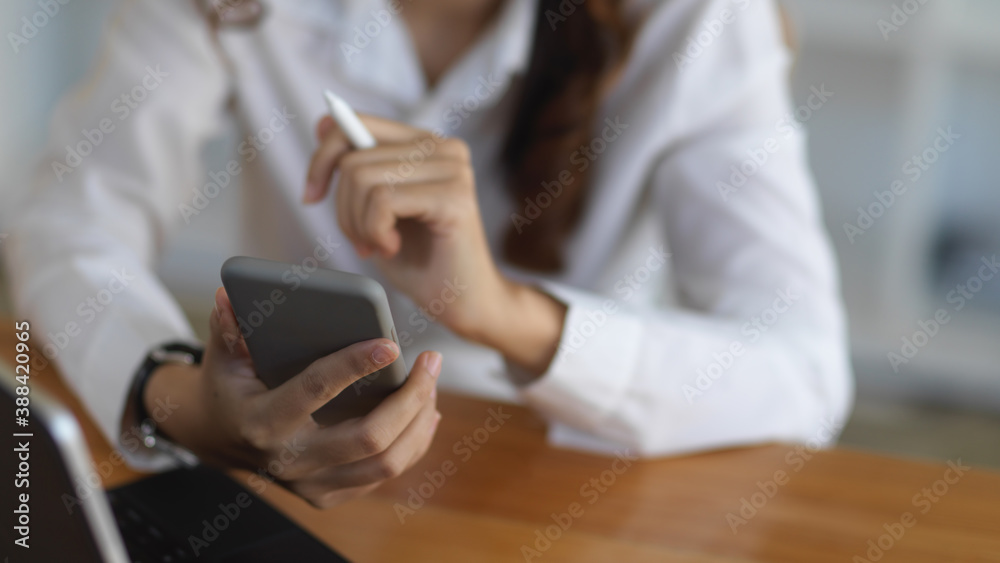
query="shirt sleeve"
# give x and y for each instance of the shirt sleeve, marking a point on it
(123, 155)
(752, 346)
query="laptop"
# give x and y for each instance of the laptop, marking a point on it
(188, 514)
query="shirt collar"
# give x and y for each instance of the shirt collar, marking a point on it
(503, 51)
(514, 34)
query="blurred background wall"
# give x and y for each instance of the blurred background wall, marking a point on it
(901, 74)
(899, 79)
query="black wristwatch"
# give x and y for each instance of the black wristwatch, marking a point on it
(136, 414)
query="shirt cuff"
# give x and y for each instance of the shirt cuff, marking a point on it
(106, 382)
(592, 369)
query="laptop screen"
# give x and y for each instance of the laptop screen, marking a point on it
(46, 469)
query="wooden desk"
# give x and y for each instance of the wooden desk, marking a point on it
(665, 510)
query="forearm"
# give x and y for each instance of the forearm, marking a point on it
(656, 378)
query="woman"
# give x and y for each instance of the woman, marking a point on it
(599, 209)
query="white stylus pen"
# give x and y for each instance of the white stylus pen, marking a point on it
(348, 121)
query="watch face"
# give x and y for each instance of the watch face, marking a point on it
(163, 356)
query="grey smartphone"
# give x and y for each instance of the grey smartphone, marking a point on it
(290, 317)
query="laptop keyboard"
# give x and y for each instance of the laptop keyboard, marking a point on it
(144, 537)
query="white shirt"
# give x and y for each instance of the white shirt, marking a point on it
(703, 312)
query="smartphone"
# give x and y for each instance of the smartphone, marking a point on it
(290, 317)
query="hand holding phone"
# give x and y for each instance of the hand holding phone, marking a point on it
(229, 418)
(289, 322)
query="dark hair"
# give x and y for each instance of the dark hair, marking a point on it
(574, 59)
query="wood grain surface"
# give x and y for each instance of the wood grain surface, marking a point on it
(488, 491)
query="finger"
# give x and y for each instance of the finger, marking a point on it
(325, 159)
(374, 433)
(343, 198)
(291, 403)
(384, 165)
(407, 160)
(378, 222)
(333, 144)
(324, 126)
(225, 336)
(402, 454)
(345, 202)
(427, 146)
(430, 438)
(360, 176)
(421, 451)
(359, 172)
(429, 203)
(387, 131)
(322, 497)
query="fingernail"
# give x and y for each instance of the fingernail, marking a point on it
(215, 312)
(384, 354)
(434, 424)
(433, 363)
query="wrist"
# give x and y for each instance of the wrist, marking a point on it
(171, 400)
(485, 324)
(526, 327)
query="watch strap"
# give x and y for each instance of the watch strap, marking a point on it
(138, 416)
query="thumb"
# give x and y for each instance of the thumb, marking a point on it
(226, 338)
